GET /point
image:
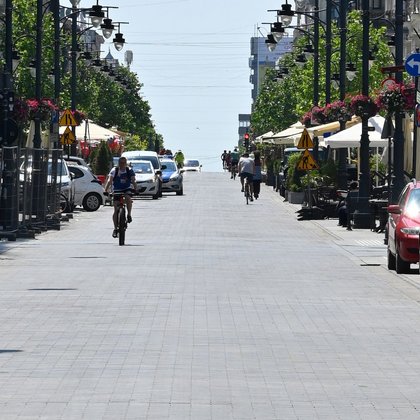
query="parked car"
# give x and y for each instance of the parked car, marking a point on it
(191, 165)
(88, 190)
(76, 160)
(172, 178)
(404, 228)
(146, 178)
(63, 177)
(149, 155)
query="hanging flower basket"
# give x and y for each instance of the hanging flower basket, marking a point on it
(41, 109)
(20, 111)
(397, 98)
(306, 119)
(318, 115)
(79, 116)
(337, 111)
(361, 104)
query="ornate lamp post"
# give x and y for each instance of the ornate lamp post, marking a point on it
(342, 153)
(362, 216)
(398, 178)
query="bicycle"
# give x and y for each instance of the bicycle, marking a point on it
(119, 197)
(234, 170)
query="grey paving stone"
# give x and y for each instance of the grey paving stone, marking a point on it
(213, 310)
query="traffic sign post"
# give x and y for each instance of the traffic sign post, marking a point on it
(306, 161)
(412, 64)
(305, 141)
(67, 119)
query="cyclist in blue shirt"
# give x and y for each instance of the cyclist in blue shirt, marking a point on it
(122, 177)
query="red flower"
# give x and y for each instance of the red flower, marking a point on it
(41, 109)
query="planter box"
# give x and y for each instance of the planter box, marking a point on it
(294, 197)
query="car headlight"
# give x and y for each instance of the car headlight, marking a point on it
(174, 177)
(65, 184)
(411, 230)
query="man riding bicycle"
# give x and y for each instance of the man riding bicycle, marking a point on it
(234, 159)
(246, 170)
(121, 178)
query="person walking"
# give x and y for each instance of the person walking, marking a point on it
(223, 158)
(256, 180)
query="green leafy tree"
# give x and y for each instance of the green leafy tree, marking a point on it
(280, 103)
(103, 100)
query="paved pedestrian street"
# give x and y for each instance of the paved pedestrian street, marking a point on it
(213, 310)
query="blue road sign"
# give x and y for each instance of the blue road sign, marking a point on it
(412, 64)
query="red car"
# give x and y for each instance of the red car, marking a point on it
(404, 229)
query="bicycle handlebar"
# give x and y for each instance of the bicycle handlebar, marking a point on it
(130, 191)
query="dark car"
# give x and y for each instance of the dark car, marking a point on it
(404, 229)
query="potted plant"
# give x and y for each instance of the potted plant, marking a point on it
(102, 161)
(295, 193)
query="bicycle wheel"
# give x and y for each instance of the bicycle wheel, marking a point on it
(121, 226)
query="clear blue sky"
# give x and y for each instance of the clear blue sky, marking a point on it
(192, 58)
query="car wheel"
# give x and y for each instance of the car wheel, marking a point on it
(401, 266)
(391, 260)
(92, 202)
(180, 192)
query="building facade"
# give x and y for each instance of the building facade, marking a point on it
(262, 59)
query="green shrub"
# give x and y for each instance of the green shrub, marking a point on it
(293, 174)
(102, 163)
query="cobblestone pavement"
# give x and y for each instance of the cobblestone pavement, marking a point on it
(213, 310)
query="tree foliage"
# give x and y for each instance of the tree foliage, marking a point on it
(100, 98)
(282, 102)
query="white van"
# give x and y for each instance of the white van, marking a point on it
(149, 155)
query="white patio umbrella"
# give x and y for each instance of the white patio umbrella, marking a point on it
(350, 137)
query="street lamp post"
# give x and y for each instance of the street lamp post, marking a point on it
(398, 178)
(328, 53)
(362, 216)
(8, 205)
(38, 67)
(74, 51)
(342, 152)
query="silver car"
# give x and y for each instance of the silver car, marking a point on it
(146, 178)
(172, 179)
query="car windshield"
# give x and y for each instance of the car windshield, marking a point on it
(141, 168)
(191, 163)
(61, 167)
(412, 207)
(153, 160)
(170, 166)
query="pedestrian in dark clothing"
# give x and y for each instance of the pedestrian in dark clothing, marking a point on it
(256, 180)
(343, 209)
